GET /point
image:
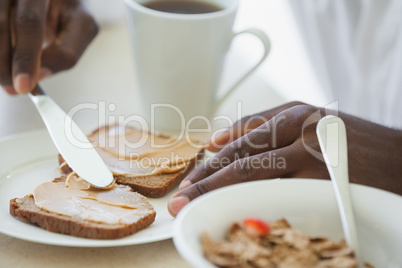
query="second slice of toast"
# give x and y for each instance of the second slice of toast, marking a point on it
(150, 185)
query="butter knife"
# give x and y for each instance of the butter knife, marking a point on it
(86, 162)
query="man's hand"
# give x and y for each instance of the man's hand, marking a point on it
(40, 37)
(282, 142)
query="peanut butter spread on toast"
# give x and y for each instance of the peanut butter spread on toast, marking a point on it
(76, 198)
(131, 152)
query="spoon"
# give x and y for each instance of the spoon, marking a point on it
(331, 133)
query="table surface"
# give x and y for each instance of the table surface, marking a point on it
(106, 73)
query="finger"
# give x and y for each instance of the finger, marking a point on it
(78, 29)
(245, 125)
(43, 73)
(311, 166)
(10, 90)
(5, 47)
(29, 32)
(268, 165)
(238, 129)
(280, 131)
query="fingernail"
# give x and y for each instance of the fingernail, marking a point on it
(213, 147)
(43, 73)
(220, 135)
(23, 83)
(177, 203)
(10, 90)
(184, 184)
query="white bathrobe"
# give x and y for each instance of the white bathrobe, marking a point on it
(355, 48)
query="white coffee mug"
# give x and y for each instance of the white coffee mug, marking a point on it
(179, 60)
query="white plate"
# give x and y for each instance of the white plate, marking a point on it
(309, 205)
(30, 158)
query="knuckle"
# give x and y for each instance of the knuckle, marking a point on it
(303, 110)
(237, 149)
(308, 110)
(24, 58)
(70, 59)
(90, 24)
(239, 126)
(199, 173)
(296, 103)
(251, 122)
(202, 188)
(208, 168)
(29, 18)
(241, 171)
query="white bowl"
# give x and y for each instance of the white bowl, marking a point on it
(309, 205)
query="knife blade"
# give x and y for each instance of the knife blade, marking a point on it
(86, 162)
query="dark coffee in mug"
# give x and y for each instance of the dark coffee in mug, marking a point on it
(182, 6)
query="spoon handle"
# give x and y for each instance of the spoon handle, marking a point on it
(331, 134)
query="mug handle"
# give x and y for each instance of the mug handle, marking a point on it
(267, 46)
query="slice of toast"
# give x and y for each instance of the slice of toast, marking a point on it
(26, 210)
(150, 186)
